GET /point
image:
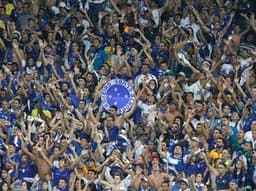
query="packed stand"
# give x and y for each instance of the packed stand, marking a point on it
(191, 63)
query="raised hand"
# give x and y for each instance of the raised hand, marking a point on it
(15, 45)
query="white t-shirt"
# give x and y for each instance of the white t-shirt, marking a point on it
(227, 68)
(140, 78)
(248, 137)
(195, 88)
(124, 184)
(149, 110)
(156, 16)
(184, 22)
(245, 69)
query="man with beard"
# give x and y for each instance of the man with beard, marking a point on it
(174, 135)
(217, 152)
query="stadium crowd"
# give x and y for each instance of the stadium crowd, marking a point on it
(192, 124)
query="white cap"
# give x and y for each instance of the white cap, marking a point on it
(185, 180)
(195, 139)
(62, 4)
(182, 74)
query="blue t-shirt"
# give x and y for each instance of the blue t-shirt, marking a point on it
(16, 141)
(113, 133)
(223, 182)
(60, 174)
(9, 116)
(100, 59)
(253, 111)
(26, 171)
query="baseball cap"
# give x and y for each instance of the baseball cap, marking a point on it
(195, 139)
(63, 5)
(170, 73)
(184, 180)
(155, 156)
(181, 74)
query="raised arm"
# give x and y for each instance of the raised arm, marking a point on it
(18, 52)
(148, 43)
(224, 30)
(115, 7)
(195, 12)
(236, 82)
(67, 47)
(134, 106)
(58, 153)
(44, 156)
(213, 172)
(2, 45)
(27, 152)
(159, 148)
(253, 21)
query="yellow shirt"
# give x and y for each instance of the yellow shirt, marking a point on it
(9, 7)
(2, 24)
(109, 50)
(47, 113)
(214, 154)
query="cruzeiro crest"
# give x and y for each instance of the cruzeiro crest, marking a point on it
(119, 93)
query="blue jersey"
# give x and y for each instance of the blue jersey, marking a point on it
(26, 171)
(60, 174)
(222, 182)
(9, 116)
(113, 133)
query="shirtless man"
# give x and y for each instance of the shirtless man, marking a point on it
(137, 176)
(157, 177)
(44, 169)
(172, 112)
(119, 119)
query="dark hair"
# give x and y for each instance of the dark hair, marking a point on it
(118, 173)
(17, 99)
(225, 117)
(114, 107)
(223, 140)
(182, 149)
(174, 123)
(63, 179)
(180, 118)
(191, 93)
(223, 163)
(91, 187)
(27, 184)
(82, 183)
